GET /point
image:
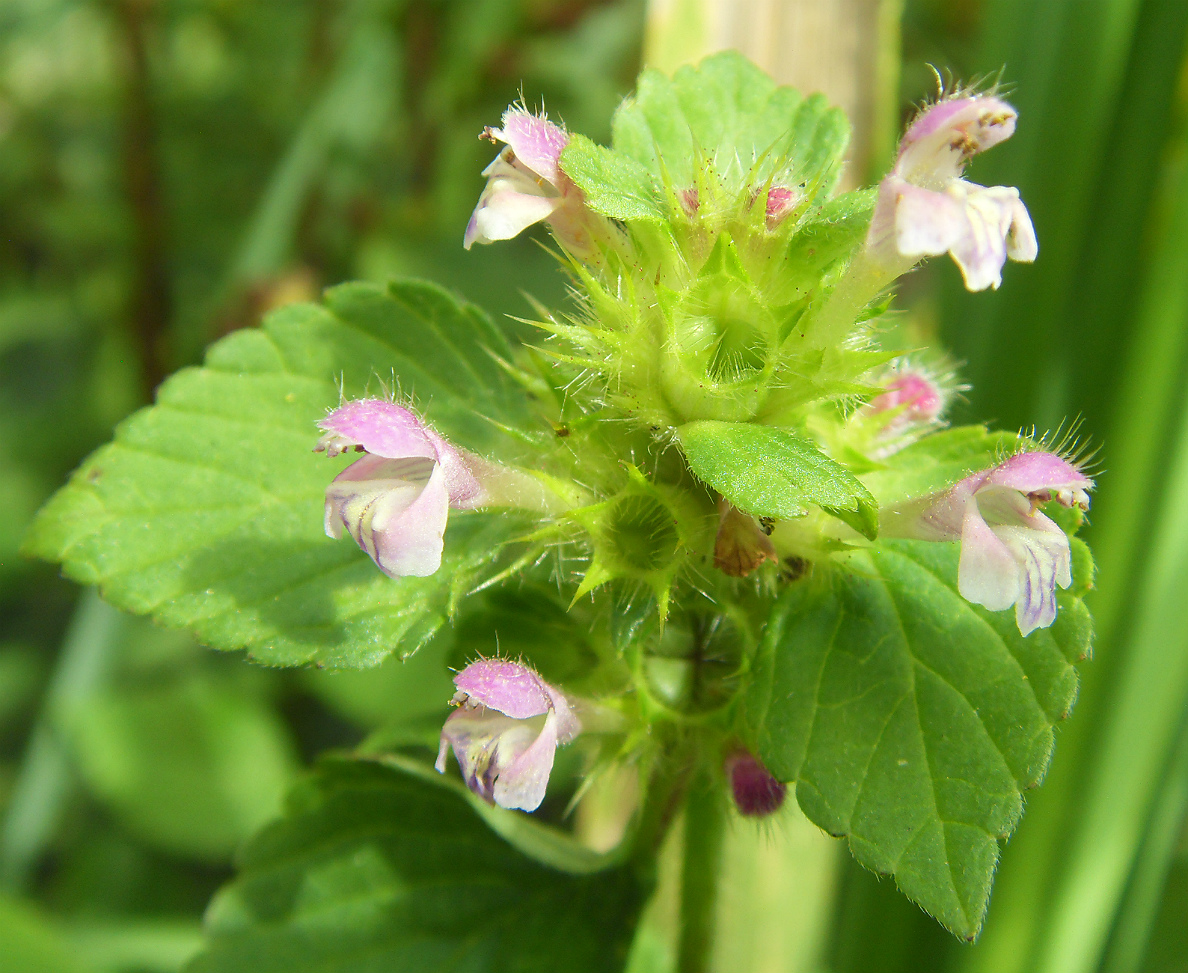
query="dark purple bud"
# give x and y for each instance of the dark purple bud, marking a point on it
(756, 793)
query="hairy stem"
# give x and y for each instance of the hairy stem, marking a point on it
(704, 828)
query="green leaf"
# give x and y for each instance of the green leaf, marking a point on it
(938, 461)
(910, 720)
(381, 869)
(774, 473)
(726, 111)
(206, 510)
(614, 184)
(827, 234)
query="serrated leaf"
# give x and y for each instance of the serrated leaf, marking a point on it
(828, 234)
(771, 472)
(725, 111)
(377, 868)
(206, 509)
(910, 720)
(614, 184)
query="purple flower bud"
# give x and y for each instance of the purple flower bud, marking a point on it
(525, 185)
(395, 500)
(780, 202)
(917, 397)
(1011, 554)
(507, 727)
(925, 208)
(756, 792)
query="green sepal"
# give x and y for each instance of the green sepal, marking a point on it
(829, 234)
(614, 184)
(645, 533)
(770, 472)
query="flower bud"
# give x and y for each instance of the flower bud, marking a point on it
(505, 731)
(780, 202)
(914, 395)
(755, 791)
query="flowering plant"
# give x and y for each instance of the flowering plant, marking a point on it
(710, 531)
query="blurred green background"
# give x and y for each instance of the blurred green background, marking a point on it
(171, 169)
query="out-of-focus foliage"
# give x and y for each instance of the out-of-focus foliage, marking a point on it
(169, 171)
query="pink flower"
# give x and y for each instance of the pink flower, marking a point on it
(525, 185)
(1011, 554)
(925, 208)
(395, 500)
(756, 792)
(505, 731)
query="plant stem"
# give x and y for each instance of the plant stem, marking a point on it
(704, 823)
(151, 303)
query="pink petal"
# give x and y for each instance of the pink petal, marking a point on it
(409, 542)
(568, 725)
(927, 223)
(485, 743)
(920, 397)
(523, 784)
(505, 213)
(352, 495)
(379, 426)
(780, 201)
(984, 120)
(936, 517)
(944, 136)
(536, 141)
(1035, 472)
(987, 573)
(509, 687)
(1041, 551)
(395, 509)
(1022, 245)
(981, 251)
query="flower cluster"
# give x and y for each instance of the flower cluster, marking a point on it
(724, 300)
